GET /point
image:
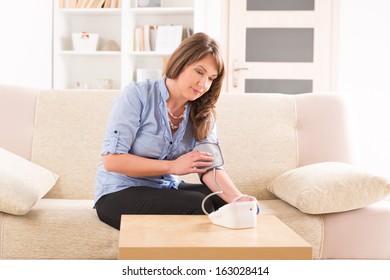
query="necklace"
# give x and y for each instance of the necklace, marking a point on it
(173, 127)
(177, 117)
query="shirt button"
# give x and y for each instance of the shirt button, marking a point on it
(162, 177)
(115, 131)
(171, 142)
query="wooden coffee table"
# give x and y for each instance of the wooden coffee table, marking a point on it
(194, 237)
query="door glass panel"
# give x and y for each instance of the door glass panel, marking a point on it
(280, 5)
(279, 44)
(278, 86)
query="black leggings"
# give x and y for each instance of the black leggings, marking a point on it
(186, 200)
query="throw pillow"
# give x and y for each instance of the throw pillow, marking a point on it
(329, 187)
(22, 183)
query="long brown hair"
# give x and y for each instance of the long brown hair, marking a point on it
(191, 50)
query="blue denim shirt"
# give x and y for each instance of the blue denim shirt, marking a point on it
(138, 124)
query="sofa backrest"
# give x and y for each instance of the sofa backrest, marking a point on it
(261, 135)
(258, 139)
(68, 137)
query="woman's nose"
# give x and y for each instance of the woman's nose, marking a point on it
(203, 83)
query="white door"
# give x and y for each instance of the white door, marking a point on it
(282, 45)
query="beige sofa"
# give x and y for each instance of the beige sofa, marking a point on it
(262, 136)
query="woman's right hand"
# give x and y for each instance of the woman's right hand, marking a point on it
(192, 162)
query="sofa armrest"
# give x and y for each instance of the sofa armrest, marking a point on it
(17, 115)
(325, 129)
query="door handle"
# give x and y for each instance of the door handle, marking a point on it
(240, 68)
(236, 69)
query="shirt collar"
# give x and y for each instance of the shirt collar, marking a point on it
(163, 88)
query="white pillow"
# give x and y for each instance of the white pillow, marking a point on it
(329, 187)
(22, 183)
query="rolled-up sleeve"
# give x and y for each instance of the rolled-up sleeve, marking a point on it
(123, 122)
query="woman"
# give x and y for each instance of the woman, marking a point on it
(153, 127)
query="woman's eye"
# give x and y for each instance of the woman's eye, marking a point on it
(199, 72)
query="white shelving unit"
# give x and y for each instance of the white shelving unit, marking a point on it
(72, 69)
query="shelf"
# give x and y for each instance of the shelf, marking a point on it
(94, 12)
(116, 24)
(137, 11)
(96, 53)
(145, 53)
(162, 11)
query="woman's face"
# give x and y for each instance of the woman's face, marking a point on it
(197, 78)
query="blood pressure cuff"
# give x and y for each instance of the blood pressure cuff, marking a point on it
(213, 149)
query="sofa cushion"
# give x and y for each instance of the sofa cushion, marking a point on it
(309, 227)
(22, 183)
(329, 187)
(58, 229)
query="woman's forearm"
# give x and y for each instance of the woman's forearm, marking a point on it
(135, 166)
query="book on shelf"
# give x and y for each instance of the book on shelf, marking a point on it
(72, 3)
(187, 32)
(152, 37)
(163, 38)
(145, 38)
(88, 4)
(137, 38)
(114, 4)
(107, 4)
(68, 4)
(93, 4)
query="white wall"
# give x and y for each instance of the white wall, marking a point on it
(25, 45)
(364, 76)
